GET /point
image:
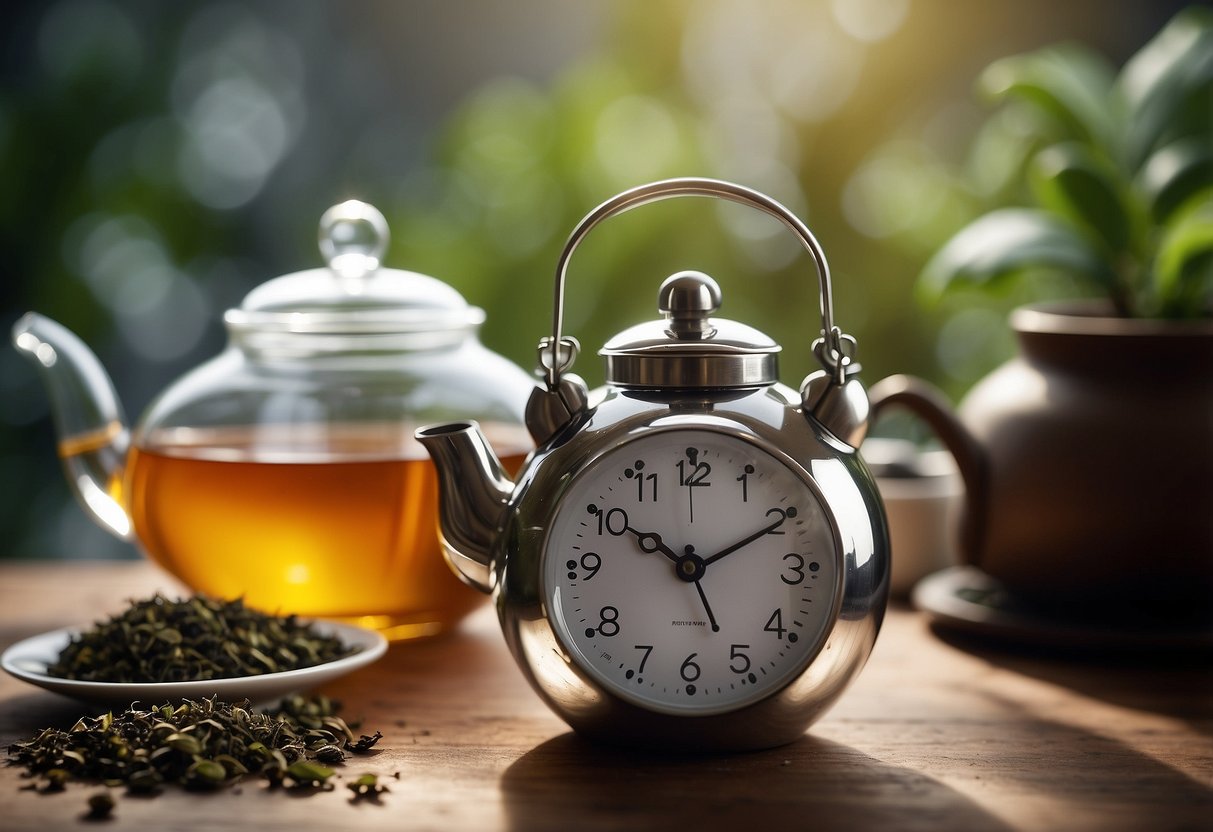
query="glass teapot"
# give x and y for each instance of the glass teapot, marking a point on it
(285, 469)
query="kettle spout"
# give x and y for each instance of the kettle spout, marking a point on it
(472, 494)
(93, 437)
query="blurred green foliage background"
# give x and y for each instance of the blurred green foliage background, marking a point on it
(159, 160)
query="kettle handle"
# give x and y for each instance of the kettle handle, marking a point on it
(834, 350)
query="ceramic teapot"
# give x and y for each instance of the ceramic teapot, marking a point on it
(1087, 462)
(285, 468)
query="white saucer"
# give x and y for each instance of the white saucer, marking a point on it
(28, 660)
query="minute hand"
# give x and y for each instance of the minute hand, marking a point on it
(746, 541)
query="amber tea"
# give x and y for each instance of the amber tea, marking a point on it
(335, 521)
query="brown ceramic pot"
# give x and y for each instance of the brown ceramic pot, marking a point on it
(1087, 459)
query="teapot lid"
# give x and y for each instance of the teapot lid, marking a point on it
(689, 348)
(354, 294)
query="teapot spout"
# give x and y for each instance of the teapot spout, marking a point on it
(472, 493)
(93, 437)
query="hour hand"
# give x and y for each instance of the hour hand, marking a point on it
(650, 542)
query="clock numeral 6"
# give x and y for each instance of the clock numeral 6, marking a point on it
(689, 670)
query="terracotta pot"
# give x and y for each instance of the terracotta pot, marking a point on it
(1087, 460)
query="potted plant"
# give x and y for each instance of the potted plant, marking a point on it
(1088, 458)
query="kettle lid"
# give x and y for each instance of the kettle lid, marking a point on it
(689, 348)
(354, 293)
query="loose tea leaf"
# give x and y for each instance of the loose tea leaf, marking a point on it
(366, 787)
(199, 638)
(100, 806)
(201, 744)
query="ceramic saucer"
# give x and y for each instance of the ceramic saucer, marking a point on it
(27, 660)
(967, 600)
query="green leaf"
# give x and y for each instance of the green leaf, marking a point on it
(1186, 245)
(1071, 181)
(1168, 85)
(1008, 241)
(305, 772)
(1176, 172)
(1069, 83)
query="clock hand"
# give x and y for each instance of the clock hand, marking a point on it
(707, 607)
(746, 541)
(651, 542)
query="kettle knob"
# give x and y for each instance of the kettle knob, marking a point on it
(687, 300)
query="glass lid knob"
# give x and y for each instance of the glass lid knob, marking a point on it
(353, 238)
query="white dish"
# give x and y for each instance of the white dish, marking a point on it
(27, 660)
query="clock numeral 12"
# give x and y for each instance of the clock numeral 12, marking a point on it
(693, 474)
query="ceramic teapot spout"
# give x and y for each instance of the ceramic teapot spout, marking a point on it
(93, 437)
(472, 493)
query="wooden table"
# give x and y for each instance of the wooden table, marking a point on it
(932, 736)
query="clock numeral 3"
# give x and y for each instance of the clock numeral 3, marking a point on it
(797, 570)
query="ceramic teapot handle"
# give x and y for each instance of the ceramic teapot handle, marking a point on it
(927, 402)
(834, 350)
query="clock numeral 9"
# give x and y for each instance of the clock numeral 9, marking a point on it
(590, 562)
(614, 521)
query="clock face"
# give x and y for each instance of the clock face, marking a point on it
(690, 572)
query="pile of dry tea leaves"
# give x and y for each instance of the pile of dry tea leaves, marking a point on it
(199, 638)
(200, 744)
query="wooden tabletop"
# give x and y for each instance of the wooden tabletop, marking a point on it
(934, 735)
